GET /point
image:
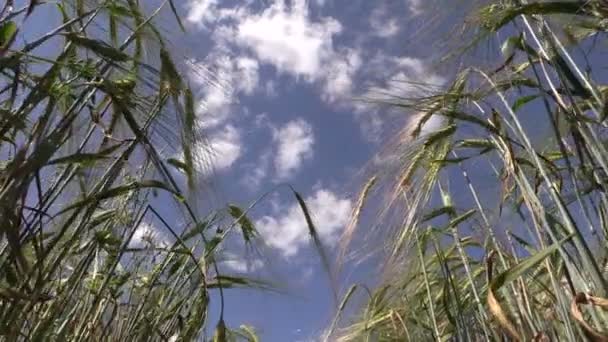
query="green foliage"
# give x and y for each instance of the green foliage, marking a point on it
(533, 209)
(81, 176)
(8, 31)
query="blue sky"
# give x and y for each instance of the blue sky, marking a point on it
(276, 83)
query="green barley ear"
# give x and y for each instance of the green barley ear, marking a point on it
(220, 332)
(317, 243)
(247, 227)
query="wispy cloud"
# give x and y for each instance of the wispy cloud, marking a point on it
(339, 77)
(220, 79)
(383, 23)
(148, 235)
(386, 77)
(240, 264)
(256, 173)
(288, 231)
(415, 6)
(220, 151)
(226, 147)
(295, 143)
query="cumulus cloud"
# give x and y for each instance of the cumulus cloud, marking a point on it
(225, 147)
(205, 14)
(247, 73)
(220, 151)
(295, 143)
(293, 42)
(285, 37)
(201, 11)
(340, 74)
(301, 43)
(220, 78)
(288, 232)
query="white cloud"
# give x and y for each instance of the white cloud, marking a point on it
(201, 11)
(205, 13)
(241, 265)
(400, 76)
(370, 121)
(289, 233)
(295, 145)
(283, 35)
(415, 6)
(383, 25)
(299, 42)
(220, 151)
(247, 74)
(286, 37)
(387, 29)
(256, 173)
(226, 147)
(383, 67)
(261, 121)
(147, 235)
(213, 108)
(220, 78)
(339, 75)
(383, 78)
